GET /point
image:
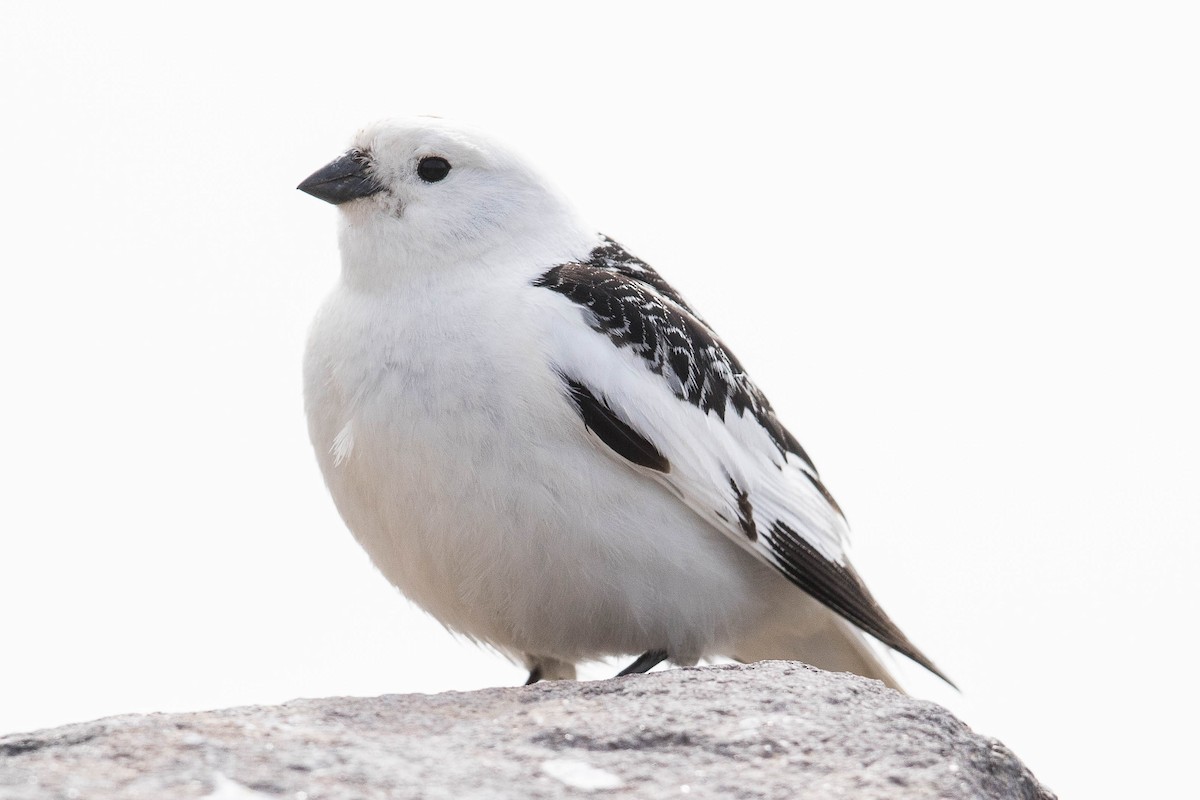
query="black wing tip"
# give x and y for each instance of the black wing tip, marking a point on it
(904, 647)
(929, 665)
(839, 588)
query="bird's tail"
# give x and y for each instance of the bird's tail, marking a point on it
(825, 641)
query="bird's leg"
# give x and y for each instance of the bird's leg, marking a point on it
(645, 662)
(544, 668)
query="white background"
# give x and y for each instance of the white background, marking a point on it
(956, 245)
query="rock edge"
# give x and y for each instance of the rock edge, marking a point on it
(766, 730)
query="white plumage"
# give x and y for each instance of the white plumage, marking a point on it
(541, 444)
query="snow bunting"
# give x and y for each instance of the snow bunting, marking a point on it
(542, 444)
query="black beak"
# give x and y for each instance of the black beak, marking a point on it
(342, 180)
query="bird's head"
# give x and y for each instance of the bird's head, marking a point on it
(427, 190)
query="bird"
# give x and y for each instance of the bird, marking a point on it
(543, 445)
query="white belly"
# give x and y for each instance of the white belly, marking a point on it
(460, 466)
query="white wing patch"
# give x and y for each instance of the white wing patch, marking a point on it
(718, 467)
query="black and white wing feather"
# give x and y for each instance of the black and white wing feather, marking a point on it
(656, 385)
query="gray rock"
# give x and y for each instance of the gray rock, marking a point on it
(767, 730)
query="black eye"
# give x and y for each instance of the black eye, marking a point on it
(433, 168)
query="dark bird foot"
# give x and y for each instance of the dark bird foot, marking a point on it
(646, 662)
(544, 668)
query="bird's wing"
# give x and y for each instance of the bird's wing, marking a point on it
(652, 381)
